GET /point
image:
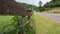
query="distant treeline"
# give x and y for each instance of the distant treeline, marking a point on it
(47, 6)
(28, 6)
(52, 4)
(32, 7)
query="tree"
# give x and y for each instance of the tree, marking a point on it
(40, 6)
(40, 3)
(52, 4)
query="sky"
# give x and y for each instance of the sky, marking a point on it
(33, 2)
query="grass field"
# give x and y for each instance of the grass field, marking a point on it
(45, 26)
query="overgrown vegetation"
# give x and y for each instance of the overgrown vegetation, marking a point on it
(52, 4)
(9, 25)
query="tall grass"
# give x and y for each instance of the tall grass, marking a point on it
(45, 26)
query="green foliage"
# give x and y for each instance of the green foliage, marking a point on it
(27, 6)
(41, 8)
(9, 25)
(53, 3)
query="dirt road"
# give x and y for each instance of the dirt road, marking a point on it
(54, 17)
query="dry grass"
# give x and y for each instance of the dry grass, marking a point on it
(54, 10)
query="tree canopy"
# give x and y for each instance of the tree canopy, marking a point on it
(52, 3)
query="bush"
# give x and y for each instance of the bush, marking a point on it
(41, 9)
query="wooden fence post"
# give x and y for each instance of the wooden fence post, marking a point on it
(20, 24)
